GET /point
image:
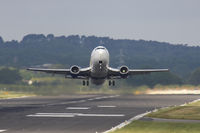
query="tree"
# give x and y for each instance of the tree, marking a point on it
(195, 77)
(9, 76)
(1, 40)
(154, 79)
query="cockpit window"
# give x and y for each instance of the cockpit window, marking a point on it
(100, 48)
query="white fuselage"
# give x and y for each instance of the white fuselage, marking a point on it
(99, 64)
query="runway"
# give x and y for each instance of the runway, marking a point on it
(78, 113)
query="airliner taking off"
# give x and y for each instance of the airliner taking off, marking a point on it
(99, 70)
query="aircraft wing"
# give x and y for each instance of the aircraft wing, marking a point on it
(118, 73)
(83, 72)
(53, 71)
(145, 71)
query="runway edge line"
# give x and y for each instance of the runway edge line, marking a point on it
(3, 130)
(137, 117)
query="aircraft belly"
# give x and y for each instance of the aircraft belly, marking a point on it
(97, 81)
(99, 73)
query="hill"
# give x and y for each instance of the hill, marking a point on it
(37, 49)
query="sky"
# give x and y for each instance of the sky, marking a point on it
(174, 21)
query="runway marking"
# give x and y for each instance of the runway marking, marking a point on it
(73, 115)
(103, 97)
(57, 113)
(52, 115)
(102, 115)
(81, 101)
(106, 106)
(78, 108)
(3, 130)
(90, 99)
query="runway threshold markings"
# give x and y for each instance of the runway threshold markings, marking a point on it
(78, 108)
(73, 115)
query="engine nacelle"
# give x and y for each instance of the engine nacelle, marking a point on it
(74, 70)
(124, 71)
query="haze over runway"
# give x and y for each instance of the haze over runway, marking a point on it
(78, 113)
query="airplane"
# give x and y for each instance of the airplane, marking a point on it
(98, 70)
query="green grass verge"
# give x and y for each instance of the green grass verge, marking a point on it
(12, 94)
(159, 127)
(189, 111)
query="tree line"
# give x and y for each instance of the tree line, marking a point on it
(14, 76)
(38, 49)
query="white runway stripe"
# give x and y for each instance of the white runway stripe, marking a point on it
(78, 108)
(57, 113)
(73, 115)
(51, 115)
(102, 115)
(106, 106)
(2, 131)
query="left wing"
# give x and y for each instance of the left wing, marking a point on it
(79, 73)
(146, 71)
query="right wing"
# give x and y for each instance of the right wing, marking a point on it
(53, 71)
(83, 72)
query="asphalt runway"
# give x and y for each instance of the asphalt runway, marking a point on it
(78, 113)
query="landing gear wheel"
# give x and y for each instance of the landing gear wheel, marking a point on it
(83, 82)
(87, 83)
(109, 83)
(113, 83)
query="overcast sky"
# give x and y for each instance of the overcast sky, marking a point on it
(174, 21)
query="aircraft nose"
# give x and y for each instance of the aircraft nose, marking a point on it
(102, 54)
(101, 51)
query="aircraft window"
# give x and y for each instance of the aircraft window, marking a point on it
(100, 48)
(100, 62)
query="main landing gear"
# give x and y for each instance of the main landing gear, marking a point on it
(111, 83)
(85, 83)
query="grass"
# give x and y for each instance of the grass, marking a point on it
(159, 127)
(189, 111)
(12, 94)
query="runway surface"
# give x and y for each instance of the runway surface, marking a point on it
(79, 113)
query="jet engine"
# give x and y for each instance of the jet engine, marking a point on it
(74, 70)
(124, 71)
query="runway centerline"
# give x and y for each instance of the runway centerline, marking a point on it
(78, 108)
(106, 106)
